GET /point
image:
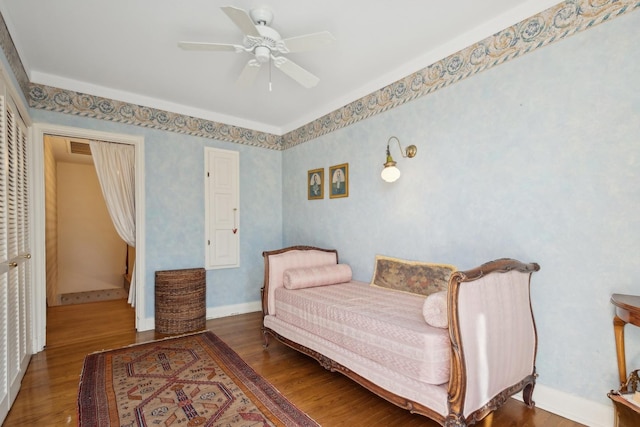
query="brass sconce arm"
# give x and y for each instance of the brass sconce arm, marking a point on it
(410, 152)
(391, 173)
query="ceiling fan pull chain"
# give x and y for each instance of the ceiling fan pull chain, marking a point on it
(270, 62)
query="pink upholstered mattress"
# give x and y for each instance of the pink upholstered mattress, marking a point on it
(361, 319)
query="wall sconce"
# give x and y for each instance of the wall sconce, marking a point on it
(391, 173)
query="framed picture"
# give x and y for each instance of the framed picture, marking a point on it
(339, 181)
(315, 184)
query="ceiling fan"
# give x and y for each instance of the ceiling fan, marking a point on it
(266, 45)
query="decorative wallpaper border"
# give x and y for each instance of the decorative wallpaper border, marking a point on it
(66, 101)
(553, 24)
(10, 51)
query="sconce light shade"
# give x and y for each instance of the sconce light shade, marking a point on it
(391, 173)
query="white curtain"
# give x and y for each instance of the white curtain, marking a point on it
(115, 165)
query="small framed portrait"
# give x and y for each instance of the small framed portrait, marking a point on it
(315, 184)
(339, 181)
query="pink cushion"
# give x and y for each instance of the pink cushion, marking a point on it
(309, 277)
(281, 262)
(434, 310)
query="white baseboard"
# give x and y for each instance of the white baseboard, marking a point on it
(574, 408)
(149, 323)
(232, 310)
(146, 324)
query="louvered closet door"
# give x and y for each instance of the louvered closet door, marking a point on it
(14, 254)
(5, 402)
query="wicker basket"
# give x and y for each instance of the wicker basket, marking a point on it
(180, 301)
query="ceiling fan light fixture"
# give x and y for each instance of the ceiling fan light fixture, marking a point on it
(262, 54)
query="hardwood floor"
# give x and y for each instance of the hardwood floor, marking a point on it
(50, 385)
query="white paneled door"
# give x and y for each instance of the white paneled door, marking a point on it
(15, 265)
(222, 226)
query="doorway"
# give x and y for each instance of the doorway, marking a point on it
(86, 258)
(40, 131)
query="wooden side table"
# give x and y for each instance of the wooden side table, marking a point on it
(627, 311)
(625, 412)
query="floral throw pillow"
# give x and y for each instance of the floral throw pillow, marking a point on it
(411, 276)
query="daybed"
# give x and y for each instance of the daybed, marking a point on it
(455, 374)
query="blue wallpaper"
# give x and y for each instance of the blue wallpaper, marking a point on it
(537, 159)
(174, 216)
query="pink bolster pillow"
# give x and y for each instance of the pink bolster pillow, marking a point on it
(309, 277)
(434, 310)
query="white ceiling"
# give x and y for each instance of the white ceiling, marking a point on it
(127, 50)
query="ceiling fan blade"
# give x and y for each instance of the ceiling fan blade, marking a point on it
(295, 71)
(308, 42)
(208, 46)
(249, 73)
(242, 20)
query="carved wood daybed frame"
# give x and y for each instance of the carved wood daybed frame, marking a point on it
(462, 373)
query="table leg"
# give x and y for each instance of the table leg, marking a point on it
(618, 331)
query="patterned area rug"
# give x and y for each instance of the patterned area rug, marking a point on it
(194, 380)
